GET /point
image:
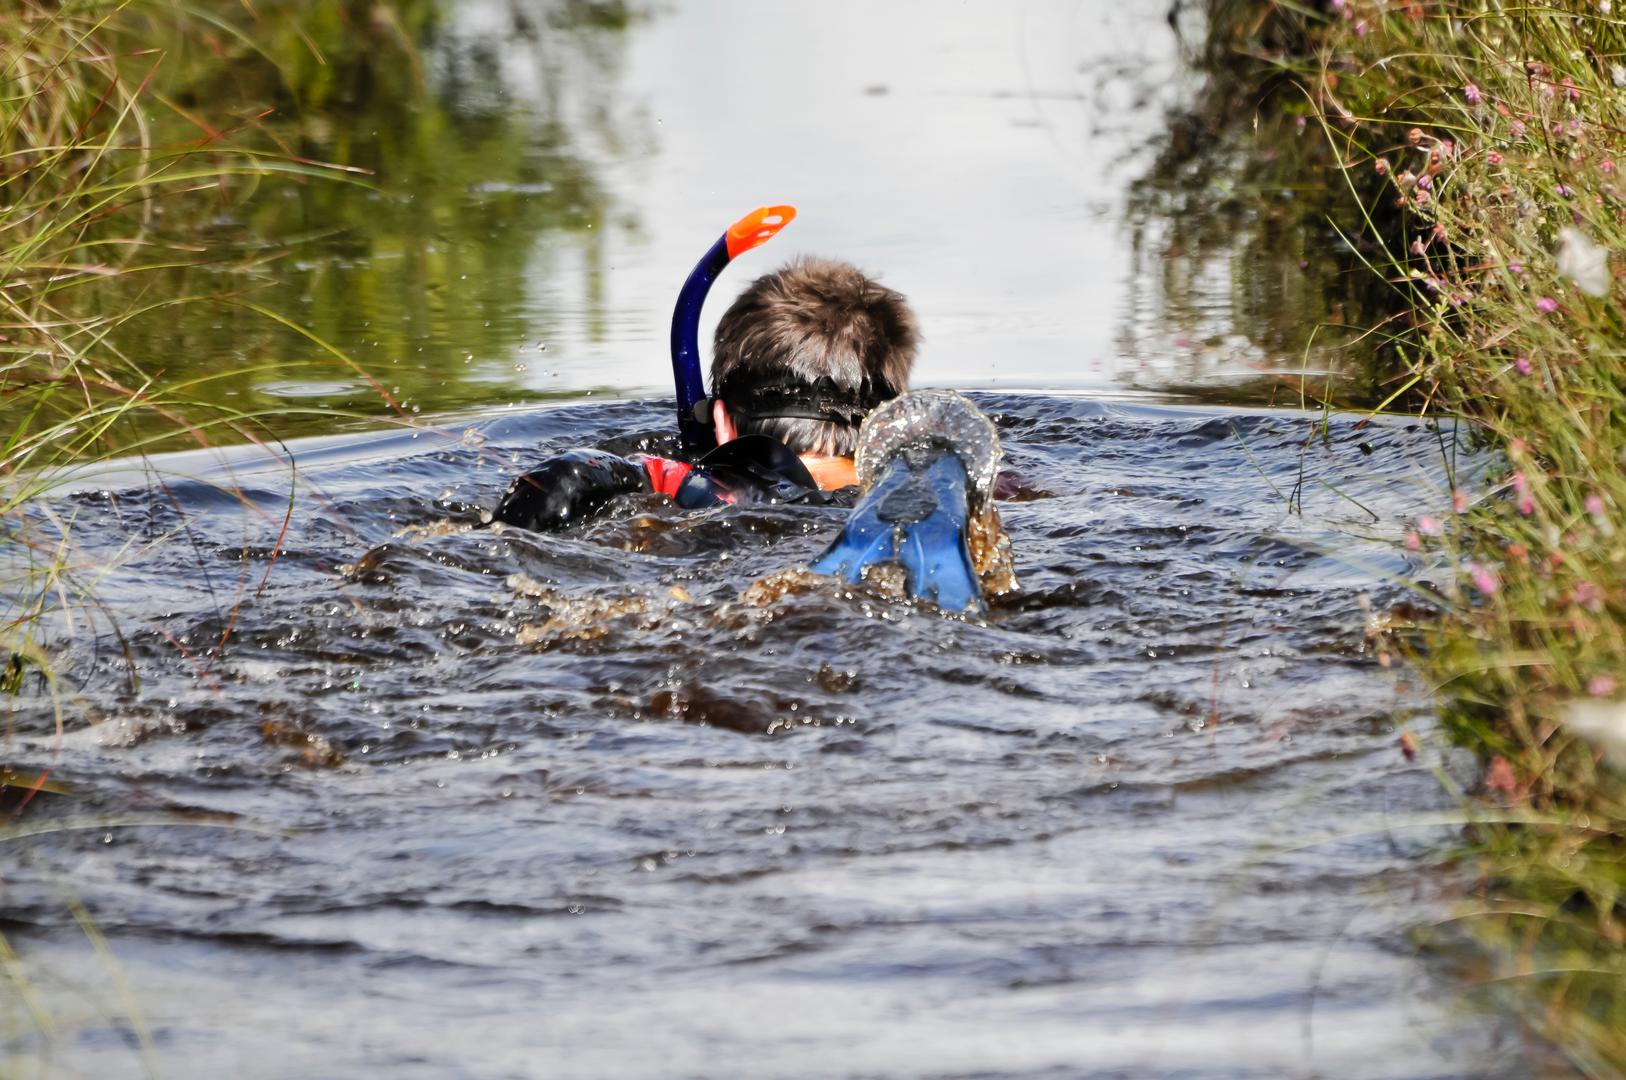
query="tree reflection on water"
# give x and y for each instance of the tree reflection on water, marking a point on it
(1237, 265)
(477, 130)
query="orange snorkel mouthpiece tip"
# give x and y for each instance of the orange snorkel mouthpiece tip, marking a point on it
(757, 227)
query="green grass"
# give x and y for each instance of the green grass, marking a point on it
(95, 194)
(1476, 148)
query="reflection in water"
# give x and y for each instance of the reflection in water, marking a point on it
(541, 174)
(545, 173)
(1237, 270)
(476, 235)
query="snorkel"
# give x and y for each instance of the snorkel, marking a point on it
(693, 406)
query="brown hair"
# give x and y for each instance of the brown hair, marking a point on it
(821, 335)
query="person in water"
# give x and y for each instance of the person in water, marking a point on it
(800, 359)
(811, 364)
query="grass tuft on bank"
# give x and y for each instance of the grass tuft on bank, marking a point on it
(102, 207)
(107, 187)
(1480, 146)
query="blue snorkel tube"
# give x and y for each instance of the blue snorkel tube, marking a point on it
(693, 407)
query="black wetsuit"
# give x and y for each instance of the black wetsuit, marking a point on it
(578, 483)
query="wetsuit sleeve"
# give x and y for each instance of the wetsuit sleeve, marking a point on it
(569, 488)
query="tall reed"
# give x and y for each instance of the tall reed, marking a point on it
(94, 198)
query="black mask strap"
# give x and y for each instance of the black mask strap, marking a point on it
(796, 400)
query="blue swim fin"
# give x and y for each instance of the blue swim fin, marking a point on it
(927, 461)
(914, 517)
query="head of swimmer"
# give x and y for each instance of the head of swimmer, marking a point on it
(805, 353)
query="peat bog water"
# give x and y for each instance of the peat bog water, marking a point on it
(450, 802)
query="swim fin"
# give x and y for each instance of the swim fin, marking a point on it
(914, 517)
(927, 462)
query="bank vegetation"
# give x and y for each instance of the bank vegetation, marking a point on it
(1469, 154)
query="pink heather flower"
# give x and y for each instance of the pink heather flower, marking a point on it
(1418, 247)
(1494, 157)
(1564, 191)
(1607, 166)
(1523, 365)
(1414, 136)
(1412, 541)
(1602, 685)
(1589, 595)
(1570, 89)
(1599, 510)
(1547, 305)
(1459, 501)
(1485, 579)
(1527, 506)
(1500, 777)
(1517, 128)
(1425, 182)
(1381, 166)
(1361, 29)
(1516, 266)
(1471, 92)
(1521, 484)
(1429, 525)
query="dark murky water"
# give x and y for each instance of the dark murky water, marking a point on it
(506, 805)
(431, 801)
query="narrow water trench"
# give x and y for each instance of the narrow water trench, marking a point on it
(429, 799)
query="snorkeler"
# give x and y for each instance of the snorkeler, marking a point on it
(800, 359)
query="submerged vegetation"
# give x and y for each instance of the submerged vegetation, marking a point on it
(1470, 152)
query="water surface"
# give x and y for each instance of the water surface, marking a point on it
(498, 804)
(426, 799)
